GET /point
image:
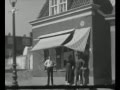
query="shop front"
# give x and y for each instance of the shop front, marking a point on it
(59, 46)
(78, 31)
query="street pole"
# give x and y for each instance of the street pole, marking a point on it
(15, 83)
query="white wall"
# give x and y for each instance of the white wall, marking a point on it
(20, 60)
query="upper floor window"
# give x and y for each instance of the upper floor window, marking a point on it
(26, 41)
(57, 6)
(63, 6)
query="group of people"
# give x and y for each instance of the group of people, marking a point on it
(74, 71)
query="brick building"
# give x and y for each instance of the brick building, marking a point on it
(69, 27)
(21, 42)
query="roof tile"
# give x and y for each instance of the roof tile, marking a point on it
(106, 6)
(78, 3)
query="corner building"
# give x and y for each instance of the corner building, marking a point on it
(69, 27)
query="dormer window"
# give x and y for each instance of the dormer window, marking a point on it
(57, 6)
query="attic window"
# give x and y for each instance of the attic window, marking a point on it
(57, 6)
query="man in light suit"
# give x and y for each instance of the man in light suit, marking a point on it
(49, 66)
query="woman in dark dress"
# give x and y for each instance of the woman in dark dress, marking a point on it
(70, 70)
(86, 65)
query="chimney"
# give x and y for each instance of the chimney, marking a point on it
(24, 35)
(31, 37)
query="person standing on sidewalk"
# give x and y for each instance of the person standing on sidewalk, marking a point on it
(49, 66)
(69, 71)
(78, 71)
(86, 65)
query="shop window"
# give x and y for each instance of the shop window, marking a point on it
(58, 57)
(57, 6)
(46, 53)
(61, 57)
(67, 49)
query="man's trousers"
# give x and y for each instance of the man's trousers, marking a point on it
(50, 75)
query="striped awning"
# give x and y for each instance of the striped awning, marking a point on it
(79, 39)
(50, 42)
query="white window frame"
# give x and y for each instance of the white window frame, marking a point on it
(57, 5)
(62, 3)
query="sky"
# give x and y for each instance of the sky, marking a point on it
(28, 11)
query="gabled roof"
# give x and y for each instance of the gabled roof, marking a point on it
(45, 10)
(105, 6)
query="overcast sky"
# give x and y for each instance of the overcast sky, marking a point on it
(28, 11)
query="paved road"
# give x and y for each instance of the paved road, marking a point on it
(42, 81)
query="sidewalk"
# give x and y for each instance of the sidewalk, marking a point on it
(36, 81)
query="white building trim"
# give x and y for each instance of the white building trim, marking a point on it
(110, 18)
(68, 13)
(64, 19)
